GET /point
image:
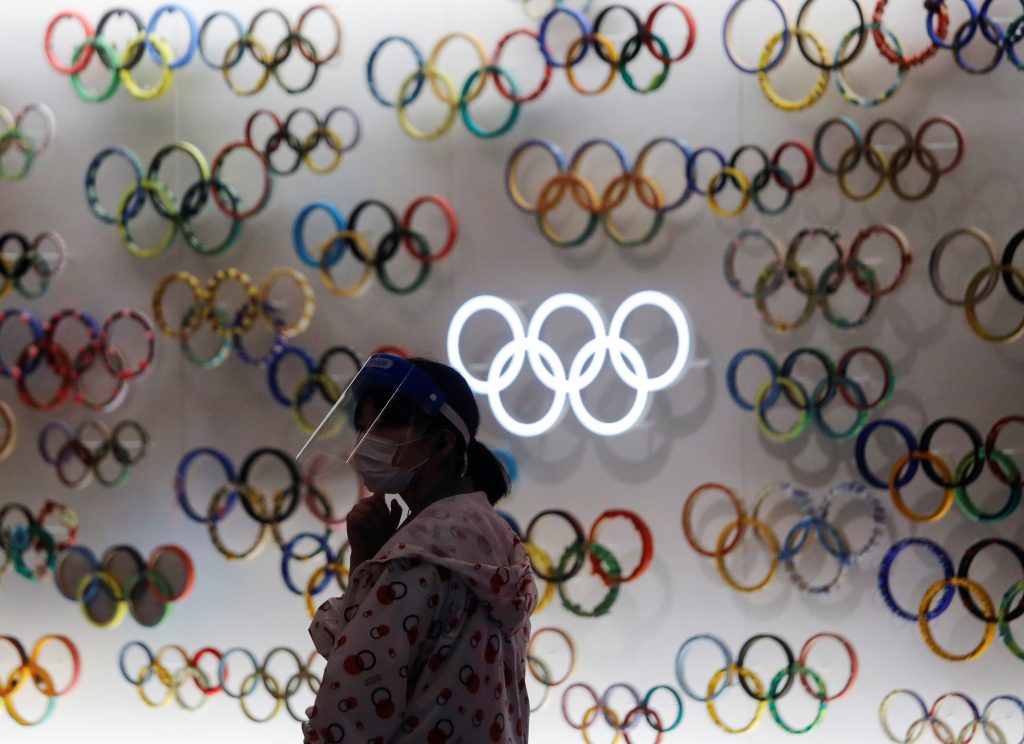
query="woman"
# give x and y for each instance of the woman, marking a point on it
(428, 644)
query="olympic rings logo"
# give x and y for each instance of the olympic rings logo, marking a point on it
(179, 215)
(35, 535)
(600, 205)
(232, 325)
(146, 39)
(545, 363)
(348, 239)
(302, 147)
(984, 282)
(270, 512)
(797, 667)
(939, 596)
(78, 445)
(818, 293)
(187, 672)
(540, 669)
(602, 709)
(121, 577)
(45, 352)
(814, 522)
(30, 258)
(30, 668)
(912, 151)
(953, 483)
(458, 100)
(983, 718)
(837, 380)
(14, 137)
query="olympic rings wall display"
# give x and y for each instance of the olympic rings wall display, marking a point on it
(583, 550)
(982, 718)
(348, 240)
(814, 523)
(911, 153)
(458, 97)
(232, 325)
(302, 148)
(601, 709)
(177, 673)
(837, 385)
(1005, 42)
(179, 215)
(44, 353)
(975, 598)
(541, 670)
(30, 668)
(14, 137)
(765, 693)
(526, 346)
(30, 546)
(29, 260)
(76, 452)
(270, 512)
(144, 584)
(146, 39)
(952, 483)
(785, 269)
(983, 284)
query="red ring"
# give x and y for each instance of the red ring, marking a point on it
(147, 330)
(808, 159)
(218, 162)
(505, 92)
(565, 707)
(844, 363)
(647, 539)
(805, 652)
(190, 571)
(252, 120)
(90, 33)
(958, 133)
(453, 228)
(649, 32)
(66, 372)
(990, 447)
(194, 662)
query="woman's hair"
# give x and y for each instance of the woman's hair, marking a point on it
(483, 467)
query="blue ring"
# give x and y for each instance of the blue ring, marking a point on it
(542, 36)
(222, 678)
(934, 35)
(38, 334)
(615, 147)
(691, 170)
(241, 35)
(275, 386)
(890, 557)
(554, 150)
(681, 658)
(688, 156)
(91, 172)
(733, 368)
(783, 48)
(860, 451)
(288, 553)
(193, 42)
(299, 228)
(862, 413)
(420, 64)
(124, 672)
(181, 477)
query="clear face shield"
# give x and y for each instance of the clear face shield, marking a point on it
(380, 412)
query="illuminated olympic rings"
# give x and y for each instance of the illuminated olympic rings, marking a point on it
(145, 38)
(982, 284)
(232, 325)
(91, 443)
(426, 70)
(584, 550)
(30, 667)
(786, 269)
(982, 719)
(15, 137)
(346, 238)
(600, 709)
(953, 483)
(601, 204)
(188, 681)
(910, 154)
(975, 598)
(765, 692)
(179, 214)
(122, 582)
(302, 145)
(44, 352)
(29, 259)
(35, 534)
(813, 523)
(810, 401)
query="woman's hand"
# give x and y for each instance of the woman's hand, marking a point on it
(370, 524)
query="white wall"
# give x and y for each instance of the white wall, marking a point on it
(696, 434)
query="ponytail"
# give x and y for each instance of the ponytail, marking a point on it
(487, 472)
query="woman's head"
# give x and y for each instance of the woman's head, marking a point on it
(428, 442)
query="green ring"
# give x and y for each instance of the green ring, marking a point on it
(467, 117)
(422, 274)
(199, 246)
(222, 352)
(27, 147)
(611, 565)
(97, 42)
(658, 80)
(963, 499)
(1004, 627)
(773, 702)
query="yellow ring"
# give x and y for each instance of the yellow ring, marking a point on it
(308, 299)
(971, 303)
(897, 497)
(819, 88)
(363, 247)
(987, 608)
(431, 74)
(744, 184)
(613, 67)
(769, 541)
(167, 74)
(449, 96)
(258, 49)
(758, 691)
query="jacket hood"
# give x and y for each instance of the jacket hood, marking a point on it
(465, 535)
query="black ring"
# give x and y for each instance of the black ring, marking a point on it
(979, 452)
(292, 492)
(140, 49)
(790, 663)
(760, 181)
(1007, 261)
(579, 544)
(354, 218)
(625, 59)
(837, 64)
(23, 262)
(321, 368)
(965, 567)
(790, 362)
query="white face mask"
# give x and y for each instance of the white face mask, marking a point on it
(374, 461)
